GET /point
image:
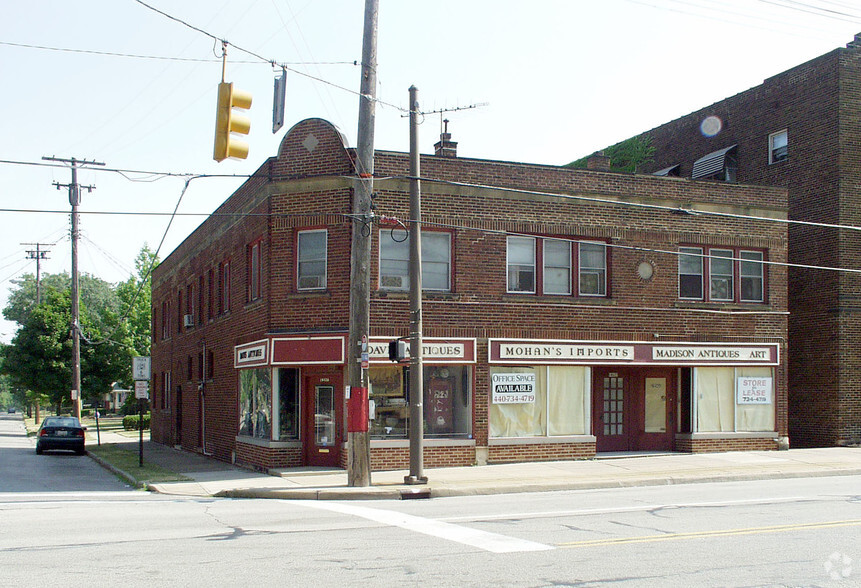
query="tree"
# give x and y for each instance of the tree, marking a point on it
(115, 326)
(39, 358)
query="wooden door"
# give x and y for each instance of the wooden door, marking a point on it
(611, 409)
(656, 393)
(323, 412)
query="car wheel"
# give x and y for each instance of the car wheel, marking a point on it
(38, 449)
(80, 451)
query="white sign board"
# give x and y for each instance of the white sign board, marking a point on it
(141, 368)
(751, 390)
(513, 388)
(141, 389)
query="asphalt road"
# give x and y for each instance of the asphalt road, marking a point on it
(800, 532)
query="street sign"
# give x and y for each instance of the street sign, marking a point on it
(141, 389)
(141, 368)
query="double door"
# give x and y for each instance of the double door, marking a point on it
(633, 408)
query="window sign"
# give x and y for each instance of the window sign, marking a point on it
(513, 388)
(752, 390)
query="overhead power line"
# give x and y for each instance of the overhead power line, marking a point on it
(164, 57)
(263, 59)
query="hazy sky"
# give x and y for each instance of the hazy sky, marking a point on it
(113, 81)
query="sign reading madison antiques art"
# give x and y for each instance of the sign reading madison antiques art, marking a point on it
(513, 388)
(515, 351)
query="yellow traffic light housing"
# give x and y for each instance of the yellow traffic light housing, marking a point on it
(227, 121)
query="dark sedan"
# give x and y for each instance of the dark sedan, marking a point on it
(61, 433)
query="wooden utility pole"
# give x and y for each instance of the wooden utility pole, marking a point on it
(38, 254)
(416, 475)
(358, 443)
(75, 200)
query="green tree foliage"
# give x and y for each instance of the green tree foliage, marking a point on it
(631, 155)
(115, 326)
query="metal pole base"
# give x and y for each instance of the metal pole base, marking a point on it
(415, 480)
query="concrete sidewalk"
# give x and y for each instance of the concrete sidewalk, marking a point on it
(209, 477)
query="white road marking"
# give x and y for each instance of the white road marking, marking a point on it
(492, 542)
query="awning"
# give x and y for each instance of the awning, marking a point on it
(673, 170)
(711, 164)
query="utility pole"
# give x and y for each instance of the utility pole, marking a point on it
(38, 254)
(416, 475)
(75, 200)
(358, 443)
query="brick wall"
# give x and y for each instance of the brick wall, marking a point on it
(819, 104)
(308, 186)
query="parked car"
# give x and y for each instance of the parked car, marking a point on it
(11, 410)
(61, 433)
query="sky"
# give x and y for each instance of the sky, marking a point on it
(115, 82)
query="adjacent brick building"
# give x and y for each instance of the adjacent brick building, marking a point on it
(566, 312)
(800, 129)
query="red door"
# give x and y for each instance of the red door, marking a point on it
(323, 411)
(611, 409)
(656, 392)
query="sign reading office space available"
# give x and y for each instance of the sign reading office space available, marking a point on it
(751, 390)
(513, 388)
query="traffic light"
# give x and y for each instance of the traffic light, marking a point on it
(398, 350)
(227, 121)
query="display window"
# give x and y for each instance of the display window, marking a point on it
(447, 401)
(255, 403)
(539, 401)
(734, 399)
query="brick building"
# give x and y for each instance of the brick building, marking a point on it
(562, 313)
(800, 129)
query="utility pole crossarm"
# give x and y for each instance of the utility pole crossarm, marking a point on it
(74, 201)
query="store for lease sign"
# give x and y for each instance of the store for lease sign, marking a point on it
(513, 388)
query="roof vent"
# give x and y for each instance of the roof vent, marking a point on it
(445, 147)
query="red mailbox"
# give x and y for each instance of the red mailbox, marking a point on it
(357, 410)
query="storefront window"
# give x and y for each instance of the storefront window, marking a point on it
(288, 404)
(723, 404)
(447, 401)
(255, 403)
(554, 405)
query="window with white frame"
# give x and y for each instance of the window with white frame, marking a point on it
(732, 275)
(720, 274)
(554, 267)
(395, 260)
(593, 269)
(778, 146)
(521, 264)
(557, 266)
(312, 247)
(752, 277)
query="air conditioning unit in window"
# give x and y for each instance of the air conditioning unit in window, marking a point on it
(188, 320)
(393, 282)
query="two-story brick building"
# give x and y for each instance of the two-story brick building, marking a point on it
(800, 129)
(566, 312)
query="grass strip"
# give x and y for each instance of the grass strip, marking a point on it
(128, 461)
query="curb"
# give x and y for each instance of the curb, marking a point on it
(131, 480)
(411, 492)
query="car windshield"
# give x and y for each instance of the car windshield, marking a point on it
(61, 422)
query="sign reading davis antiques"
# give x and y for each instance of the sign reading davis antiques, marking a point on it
(251, 354)
(433, 350)
(513, 388)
